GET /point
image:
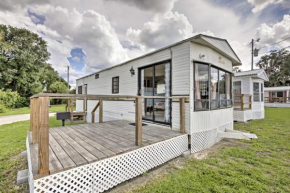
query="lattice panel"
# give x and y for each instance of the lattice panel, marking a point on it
(105, 174)
(202, 140)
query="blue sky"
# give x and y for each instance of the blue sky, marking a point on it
(91, 35)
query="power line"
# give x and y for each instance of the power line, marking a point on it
(274, 43)
(274, 50)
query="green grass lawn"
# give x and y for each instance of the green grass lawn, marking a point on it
(12, 143)
(261, 165)
(26, 110)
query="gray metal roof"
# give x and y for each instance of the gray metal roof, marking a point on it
(218, 44)
(260, 73)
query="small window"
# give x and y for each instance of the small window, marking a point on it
(262, 92)
(115, 85)
(280, 94)
(222, 89)
(80, 89)
(256, 92)
(96, 76)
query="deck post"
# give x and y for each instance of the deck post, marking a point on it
(101, 111)
(71, 109)
(31, 113)
(182, 115)
(35, 124)
(242, 102)
(138, 121)
(43, 151)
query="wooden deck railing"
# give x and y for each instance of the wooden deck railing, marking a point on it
(277, 100)
(39, 118)
(240, 102)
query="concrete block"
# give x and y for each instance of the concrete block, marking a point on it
(22, 176)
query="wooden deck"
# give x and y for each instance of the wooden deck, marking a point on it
(77, 145)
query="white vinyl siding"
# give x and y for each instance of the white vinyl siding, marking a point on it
(180, 69)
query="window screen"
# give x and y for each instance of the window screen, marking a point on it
(115, 85)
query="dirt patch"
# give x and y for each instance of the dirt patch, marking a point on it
(172, 166)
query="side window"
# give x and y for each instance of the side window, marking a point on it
(256, 92)
(214, 94)
(80, 90)
(201, 86)
(262, 92)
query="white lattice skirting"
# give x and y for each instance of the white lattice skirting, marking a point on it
(105, 174)
(205, 139)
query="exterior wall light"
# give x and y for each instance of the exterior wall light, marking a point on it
(132, 71)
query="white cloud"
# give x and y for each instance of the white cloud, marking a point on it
(259, 5)
(160, 6)
(274, 33)
(161, 31)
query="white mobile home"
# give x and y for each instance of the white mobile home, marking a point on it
(249, 95)
(199, 68)
(277, 96)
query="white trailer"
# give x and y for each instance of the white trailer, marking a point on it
(249, 95)
(199, 67)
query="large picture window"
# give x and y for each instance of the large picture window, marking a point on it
(201, 86)
(213, 88)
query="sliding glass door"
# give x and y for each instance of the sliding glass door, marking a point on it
(155, 81)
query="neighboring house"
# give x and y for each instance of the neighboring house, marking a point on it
(199, 68)
(277, 96)
(249, 95)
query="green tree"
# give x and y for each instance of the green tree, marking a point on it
(58, 87)
(277, 67)
(23, 62)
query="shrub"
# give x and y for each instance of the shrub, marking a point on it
(11, 99)
(3, 109)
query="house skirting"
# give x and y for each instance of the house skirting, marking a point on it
(280, 105)
(205, 139)
(105, 174)
(244, 116)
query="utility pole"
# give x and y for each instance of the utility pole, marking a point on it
(68, 78)
(252, 54)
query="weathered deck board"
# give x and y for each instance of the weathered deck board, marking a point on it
(76, 145)
(71, 152)
(62, 156)
(73, 135)
(82, 151)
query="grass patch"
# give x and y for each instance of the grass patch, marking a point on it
(12, 142)
(261, 165)
(26, 110)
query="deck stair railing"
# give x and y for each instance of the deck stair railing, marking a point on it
(39, 118)
(242, 102)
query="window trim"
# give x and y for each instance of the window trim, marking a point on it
(115, 85)
(209, 71)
